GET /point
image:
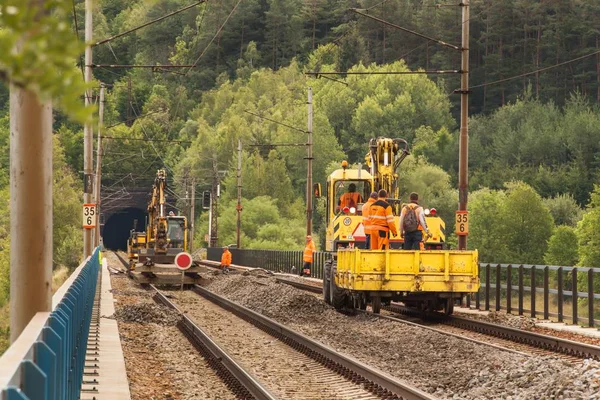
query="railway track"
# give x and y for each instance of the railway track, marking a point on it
(295, 363)
(289, 362)
(479, 331)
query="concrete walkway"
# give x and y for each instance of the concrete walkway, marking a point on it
(105, 376)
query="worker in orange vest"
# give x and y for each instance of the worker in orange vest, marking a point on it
(382, 222)
(309, 249)
(351, 198)
(367, 224)
(226, 260)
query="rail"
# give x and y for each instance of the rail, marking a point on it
(562, 293)
(47, 360)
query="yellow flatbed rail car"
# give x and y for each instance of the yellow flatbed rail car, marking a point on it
(429, 280)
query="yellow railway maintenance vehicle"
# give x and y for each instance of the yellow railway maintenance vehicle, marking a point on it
(344, 221)
(431, 279)
(152, 253)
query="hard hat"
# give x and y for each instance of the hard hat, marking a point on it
(171, 213)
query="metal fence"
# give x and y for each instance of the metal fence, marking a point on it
(564, 294)
(47, 360)
(273, 260)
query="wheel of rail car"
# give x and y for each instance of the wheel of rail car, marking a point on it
(448, 306)
(336, 294)
(362, 302)
(326, 284)
(376, 304)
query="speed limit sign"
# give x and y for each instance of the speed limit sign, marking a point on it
(462, 223)
(89, 216)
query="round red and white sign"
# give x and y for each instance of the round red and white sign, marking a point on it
(183, 261)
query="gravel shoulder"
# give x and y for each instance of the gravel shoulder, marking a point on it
(160, 362)
(444, 366)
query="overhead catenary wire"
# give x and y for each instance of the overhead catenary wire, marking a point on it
(275, 121)
(148, 23)
(536, 71)
(438, 41)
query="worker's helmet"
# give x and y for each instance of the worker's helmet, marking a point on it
(225, 248)
(171, 214)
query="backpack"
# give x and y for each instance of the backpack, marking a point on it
(410, 222)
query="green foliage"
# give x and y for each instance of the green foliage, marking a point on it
(564, 210)
(38, 52)
(263, 226)
(485, 235)
(588, 233)
(562, 247)
(526, 224)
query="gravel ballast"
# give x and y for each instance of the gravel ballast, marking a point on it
(444, 366)
(161, 363)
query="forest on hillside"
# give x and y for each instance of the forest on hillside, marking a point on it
(534, 140)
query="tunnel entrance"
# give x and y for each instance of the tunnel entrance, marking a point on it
(117, 227)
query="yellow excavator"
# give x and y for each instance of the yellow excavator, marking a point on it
(166, 235)
(344, 221)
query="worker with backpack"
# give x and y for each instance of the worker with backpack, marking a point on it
(412, 224)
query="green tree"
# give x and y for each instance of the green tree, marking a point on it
(485, 233)
(526, 224)
(588, 234)
(564, 210)
(562, 247)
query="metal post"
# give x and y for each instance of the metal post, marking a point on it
(574, 297)
(213, 206)
(88, 151)
(487, 287)
(99, 167)
(533, 291)
(546, 293)
(560, 294)
(521, 290)
(590, 297)
(509, 289)
(463, 167)
(498, 288)
(239, 196)
(192, 224)
(30, 206)
(309, 205)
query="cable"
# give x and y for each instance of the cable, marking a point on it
(215, 36)
(535, 72)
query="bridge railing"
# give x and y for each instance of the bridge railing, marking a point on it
(565, 294)
(47, 360)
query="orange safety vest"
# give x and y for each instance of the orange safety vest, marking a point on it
(382, 218)
(416, 208)
(368, 224)
(308, 251)
(350, 199)
(226, 258)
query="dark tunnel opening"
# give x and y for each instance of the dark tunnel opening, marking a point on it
(117, 227)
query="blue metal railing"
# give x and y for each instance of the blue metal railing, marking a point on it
(47, 360)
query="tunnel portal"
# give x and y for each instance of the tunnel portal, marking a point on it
(117, 227)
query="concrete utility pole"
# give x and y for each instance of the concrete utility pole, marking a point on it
(463, 167)
(192, 215)
(30, 205)
(309, 157)
(214, 194)
(239, 197)
(88, 151)
(99, 166)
